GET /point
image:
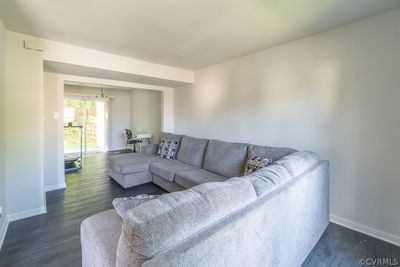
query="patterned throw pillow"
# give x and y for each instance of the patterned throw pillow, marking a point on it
(167, 149)
(255, 163)
(123, 204)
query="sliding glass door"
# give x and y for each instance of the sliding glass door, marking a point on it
(88, 113)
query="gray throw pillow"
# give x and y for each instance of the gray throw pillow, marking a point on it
(167, 149)
(255, 163)
(123, 204)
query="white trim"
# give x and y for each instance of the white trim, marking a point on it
(3, 231)
(390, 238)
(25, 214)
(54, 187)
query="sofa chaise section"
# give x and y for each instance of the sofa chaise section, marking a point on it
(131, 169)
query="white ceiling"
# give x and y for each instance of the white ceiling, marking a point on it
(183, 33)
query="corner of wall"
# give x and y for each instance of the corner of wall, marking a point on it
(3, 230)
(3, 182)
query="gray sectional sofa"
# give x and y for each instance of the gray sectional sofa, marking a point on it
(198, 161)
(271, 217)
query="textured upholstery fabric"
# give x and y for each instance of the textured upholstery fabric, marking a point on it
(167, 185)
(299, 162)
(170, 219)
(279, 229)
(99, 238)
(129, 180)
(166, 169)
(171, 137)
(269, 152)
(123, 204)
(226, 159)
(244, 221)
(126, 256)
(255, 163)
(195, 177)
(150, 149)
(192, 150)
(268, 179)
(131, 162)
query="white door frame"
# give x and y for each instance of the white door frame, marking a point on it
(167, 116)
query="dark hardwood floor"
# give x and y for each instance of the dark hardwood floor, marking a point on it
(53, 239)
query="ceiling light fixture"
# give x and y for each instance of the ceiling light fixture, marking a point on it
(102, 95)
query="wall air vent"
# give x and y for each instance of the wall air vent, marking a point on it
(34, 45)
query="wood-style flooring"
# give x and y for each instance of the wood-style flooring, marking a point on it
(52, 239)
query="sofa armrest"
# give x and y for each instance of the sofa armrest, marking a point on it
(150, 149)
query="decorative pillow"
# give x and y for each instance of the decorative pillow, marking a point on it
(168, 149)
(255, 163)
(124, 204)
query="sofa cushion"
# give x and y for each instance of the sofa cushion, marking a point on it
(150, 149)
(99, 237)
(131, 162)
(166, 169)
(167, 149)
(298, 163)
(192, 150)
(172, 218)
(255, 163)
(224, 158)
(269, 152)
(268, 179)
(123, 204)
(195, 177)
(171, 137)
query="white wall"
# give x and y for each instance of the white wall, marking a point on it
(119, 111)
(53, 128)
(336, 93)
(145, 112)
(24, 129)
(3, 218)
(25, 110)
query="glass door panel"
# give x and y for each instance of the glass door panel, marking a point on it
(90, 115)
(74, 113)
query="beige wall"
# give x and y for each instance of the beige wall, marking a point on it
(336, 93)
(3, 218)
(146, 106)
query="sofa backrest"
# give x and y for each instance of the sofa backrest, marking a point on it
(270, 152)
(278, 229)
(192, 150)
(171, 137)
(299, 162)
(224, 158)
(172, 218)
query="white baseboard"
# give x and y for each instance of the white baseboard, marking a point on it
(55, 187)
(25, 214)
(3, 231)
(390, 238)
